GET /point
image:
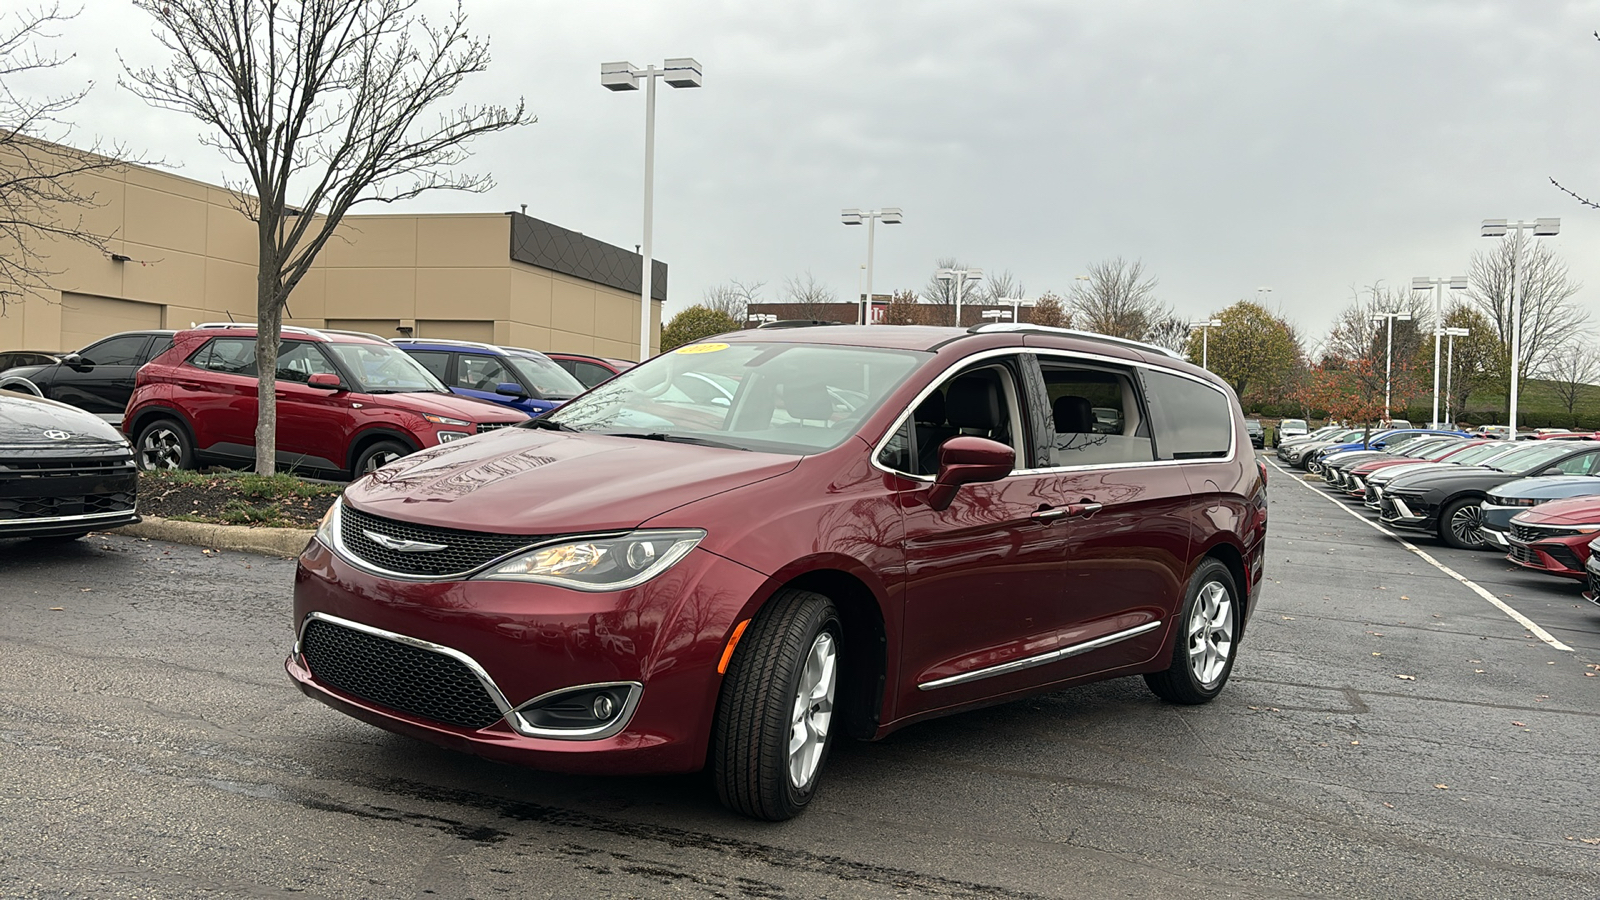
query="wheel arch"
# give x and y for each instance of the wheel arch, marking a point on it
(143, 417)
(1229, 555)
(370, 436)
(24, 385)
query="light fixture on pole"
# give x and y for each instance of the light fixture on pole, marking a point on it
(1438, 285)
(1205, 339)
(1500, 228)
(995, 315)
(622, 76)
(761, 318)
(1450, 366)
(1388, 355)
(958, 279)
(889, 215)
(1017, 303)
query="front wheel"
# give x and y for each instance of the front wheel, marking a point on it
(775, 713)
(1461, 524)
(379, 455)
(1202, 656)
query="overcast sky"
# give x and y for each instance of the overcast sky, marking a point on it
(1309, 147)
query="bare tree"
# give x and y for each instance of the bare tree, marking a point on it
(734, 298)
(1002, 288)
(943, 293)
(1549, 315)
(1169, 331)
(808, 297)
(336, 101)
(1117, 299)
(1571, 372)
(43, 183)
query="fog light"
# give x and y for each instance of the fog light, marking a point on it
(603, 707)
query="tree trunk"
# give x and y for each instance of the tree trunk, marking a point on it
(269, 321)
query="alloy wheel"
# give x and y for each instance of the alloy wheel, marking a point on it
(1210, 633)
(378, 460)
(1467, 524)
(161, 448)
(813, 711)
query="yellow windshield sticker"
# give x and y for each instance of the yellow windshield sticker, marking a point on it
(701, 348)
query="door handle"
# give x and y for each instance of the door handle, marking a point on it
(1049, 514)
(1083, 509)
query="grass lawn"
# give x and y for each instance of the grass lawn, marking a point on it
(235, 498)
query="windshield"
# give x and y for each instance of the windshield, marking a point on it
(781, 398)
(549, 379)
(1437, 451)
(1530, 459)
(384, 369)
(1481, 453)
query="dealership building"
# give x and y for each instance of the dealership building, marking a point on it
(180, 252)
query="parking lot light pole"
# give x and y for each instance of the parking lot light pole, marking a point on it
(958, 279)
(1450, 367)
(1388, 354)
(995, 315)
(1205, 339)
(1499, 228)
(1438, 285)
(890, 215)
(622, 76)
(761, 318)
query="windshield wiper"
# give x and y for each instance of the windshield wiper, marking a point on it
(674, 439)
(550, 424)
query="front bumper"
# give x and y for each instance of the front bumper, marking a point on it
(1405, 512)
(529, 640)
(1564, 556)
(69, 491)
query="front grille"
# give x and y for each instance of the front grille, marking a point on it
(59, 466)
(493, 426)
(1531, 533)
(399, 676)
(14, 508)
(463, 551)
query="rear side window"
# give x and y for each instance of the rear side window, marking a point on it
(231, 356)
(590, 374)
(1190, 420)
(1096, 416)
(118, 351)
(160, 345)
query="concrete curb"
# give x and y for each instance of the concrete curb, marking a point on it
(286, 542)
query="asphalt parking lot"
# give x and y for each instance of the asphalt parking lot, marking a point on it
(1388, 733)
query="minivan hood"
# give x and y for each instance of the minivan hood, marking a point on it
(24, 419)
(527, 481)
(451, 405)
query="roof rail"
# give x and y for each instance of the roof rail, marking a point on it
(254, 327)
(996, 327)
(796, 323)
(365, 334)
(423, 340)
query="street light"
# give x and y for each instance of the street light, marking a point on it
(890, 215)
(1499, 228)
(996, 314)
(1205, 339)
(761, 318)
(1450, 367)
(958, 279)
(622, 76)
(1438, 285)
(1388, 356)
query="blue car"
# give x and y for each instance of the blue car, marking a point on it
(1375, 441)
(1517, 496)
(525, 380)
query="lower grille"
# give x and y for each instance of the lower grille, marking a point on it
(493, 426)
(399, 676)
(1524, 554)
(16, 508)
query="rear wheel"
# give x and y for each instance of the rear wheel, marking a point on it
(164, 445)
(775, 712)
(1202, 656)
(1461, 524)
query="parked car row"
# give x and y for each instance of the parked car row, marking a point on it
(1536, 501)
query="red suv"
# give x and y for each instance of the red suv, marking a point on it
(862, 528)
(347, 403)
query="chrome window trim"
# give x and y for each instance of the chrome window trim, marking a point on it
(900, 421)
(508, 713)
(82, 517)
(1017, 665)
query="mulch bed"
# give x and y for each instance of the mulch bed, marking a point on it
(235, 498)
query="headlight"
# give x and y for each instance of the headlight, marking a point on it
(328, 528)
(446, 420)
(602, 563)
(1586, 529)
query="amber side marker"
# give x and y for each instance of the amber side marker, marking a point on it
(733, 641)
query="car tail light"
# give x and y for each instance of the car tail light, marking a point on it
(1263, 467)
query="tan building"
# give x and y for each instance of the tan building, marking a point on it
(180, 253)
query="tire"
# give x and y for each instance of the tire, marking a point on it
(1208, 635)
(164, 445)
(378, 455)
(788, 659)
(1459, 524)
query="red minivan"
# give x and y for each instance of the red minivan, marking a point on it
(863, 527)
(347, 403)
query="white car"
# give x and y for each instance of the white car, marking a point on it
(1292, 428)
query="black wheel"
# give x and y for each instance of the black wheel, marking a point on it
(775, 713)
(1461, 524)
(164, 444)
(1208, 632)
(379, 455)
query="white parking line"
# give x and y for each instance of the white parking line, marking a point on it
(1504, 607)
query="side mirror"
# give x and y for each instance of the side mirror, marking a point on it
(76, 362)
(324, 381)
(510, 389)
(965, 459)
